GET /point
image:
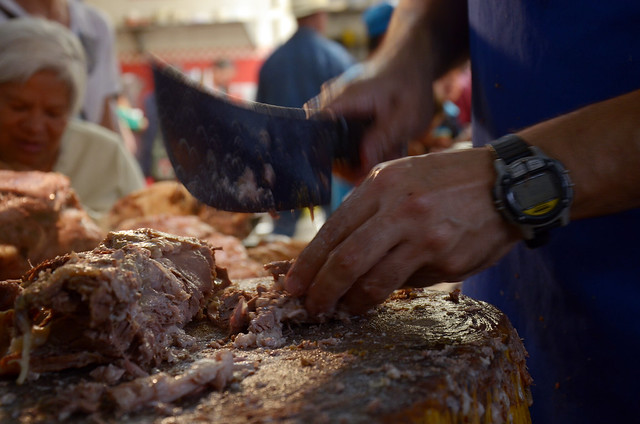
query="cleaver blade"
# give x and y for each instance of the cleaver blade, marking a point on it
(244, 156)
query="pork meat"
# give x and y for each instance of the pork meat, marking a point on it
(40, 218)
(127, 300)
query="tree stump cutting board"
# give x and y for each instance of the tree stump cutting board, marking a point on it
(424, 356)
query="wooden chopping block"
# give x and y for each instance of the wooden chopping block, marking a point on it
(423, 356)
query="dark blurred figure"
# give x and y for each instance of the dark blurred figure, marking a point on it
(376, 18)
(295, 72)
(223, 72)
(149, 137)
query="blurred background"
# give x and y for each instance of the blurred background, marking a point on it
(194, 34)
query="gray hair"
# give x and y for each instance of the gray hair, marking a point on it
(31, 45)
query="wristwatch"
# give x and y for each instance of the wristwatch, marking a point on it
(532, 190)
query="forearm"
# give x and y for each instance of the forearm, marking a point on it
(600, 146)
(434, 30)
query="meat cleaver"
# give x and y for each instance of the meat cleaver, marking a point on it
(248, 157)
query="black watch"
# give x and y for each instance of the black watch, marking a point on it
(532, 190)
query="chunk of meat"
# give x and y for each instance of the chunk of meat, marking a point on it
(40, 218)
(126, 300)
(277, 249)
(230, 252)
(171, 198)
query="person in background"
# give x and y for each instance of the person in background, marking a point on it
(376, 19)
(149, 138)
(223, 73)
(96, 34)
(550, 240)
(296, 70)
(40, 93)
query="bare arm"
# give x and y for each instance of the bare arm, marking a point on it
(600, 146)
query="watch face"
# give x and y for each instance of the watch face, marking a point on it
(537, 195)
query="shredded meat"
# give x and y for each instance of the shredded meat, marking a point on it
(127, 300)
(146, 391)
(163, 387)
(254, 314)
(40, 218)
(278, 268)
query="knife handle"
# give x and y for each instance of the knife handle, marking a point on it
(346, 149)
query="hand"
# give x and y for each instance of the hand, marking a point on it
(431, 216)
(393, 92)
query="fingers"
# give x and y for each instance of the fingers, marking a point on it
(382, 279)
(348, 261)
(346, 219)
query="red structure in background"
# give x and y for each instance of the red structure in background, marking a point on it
(247, 68)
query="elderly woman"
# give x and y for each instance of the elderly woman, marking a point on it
(42, 83)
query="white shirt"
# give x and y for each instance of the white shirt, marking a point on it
(99, 167)
(96, 33)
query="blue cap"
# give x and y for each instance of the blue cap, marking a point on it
(377, 17)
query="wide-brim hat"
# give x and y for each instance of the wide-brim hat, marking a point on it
(302, 8)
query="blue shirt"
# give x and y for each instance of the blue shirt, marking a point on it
(295, 71)
(576, 301)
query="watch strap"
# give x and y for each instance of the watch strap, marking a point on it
(510, 148)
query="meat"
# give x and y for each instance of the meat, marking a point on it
(171, 198)
(254, 313)
(40, 218)
(126, 301)
(9, 291)
(278, 249)
(230, 254)
(147, 391)
(163, 387)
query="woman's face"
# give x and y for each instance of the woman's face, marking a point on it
(33, 116)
